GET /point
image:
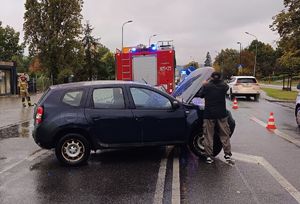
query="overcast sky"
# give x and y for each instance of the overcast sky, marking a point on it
(195, 26)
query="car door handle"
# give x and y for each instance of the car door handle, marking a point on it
(139, 119)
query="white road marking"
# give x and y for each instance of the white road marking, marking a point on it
(160, 184)
(176, 182)
(278, 132)
(29, 158)
(276, 175)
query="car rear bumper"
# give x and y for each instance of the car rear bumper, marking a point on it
(41, 138)
(239, 93)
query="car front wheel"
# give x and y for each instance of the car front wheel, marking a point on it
(73, 150)
(196, 141)
(196, 144)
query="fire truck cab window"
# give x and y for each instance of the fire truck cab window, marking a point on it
(147, 99)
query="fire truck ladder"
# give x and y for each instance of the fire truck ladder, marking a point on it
(126, 73)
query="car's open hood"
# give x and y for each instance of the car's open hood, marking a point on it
(188, 88)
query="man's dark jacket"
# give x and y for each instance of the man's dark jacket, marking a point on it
(214, 93)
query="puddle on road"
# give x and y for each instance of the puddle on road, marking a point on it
(19, 130)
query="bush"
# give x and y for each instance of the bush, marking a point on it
(43, 83)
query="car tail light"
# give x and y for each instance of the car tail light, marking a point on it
(39, 115)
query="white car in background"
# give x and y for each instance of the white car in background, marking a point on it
(243, 86)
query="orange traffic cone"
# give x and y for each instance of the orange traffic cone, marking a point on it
(271, 122)
(235, 104)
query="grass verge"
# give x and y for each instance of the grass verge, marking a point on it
(279, 94)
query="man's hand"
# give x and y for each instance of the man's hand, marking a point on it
(205, 82)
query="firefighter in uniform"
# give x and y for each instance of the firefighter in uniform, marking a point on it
(23, 86)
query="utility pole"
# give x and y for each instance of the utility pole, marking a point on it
(254, 68)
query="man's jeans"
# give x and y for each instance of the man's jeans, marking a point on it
(223, 133)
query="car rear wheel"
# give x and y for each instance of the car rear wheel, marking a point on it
(298, 116)
(256, 97)
(73, 150)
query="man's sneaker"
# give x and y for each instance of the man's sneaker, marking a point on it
(227, 158)
(209, 160)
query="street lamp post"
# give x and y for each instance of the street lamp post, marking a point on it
(240, 53)
(254, 68)
(123, 30)
(150, 38)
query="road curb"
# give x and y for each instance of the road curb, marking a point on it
(14, 124)
(279, 101)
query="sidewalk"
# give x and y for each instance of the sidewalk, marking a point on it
(12, 111)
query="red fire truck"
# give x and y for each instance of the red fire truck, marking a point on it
(153, 65)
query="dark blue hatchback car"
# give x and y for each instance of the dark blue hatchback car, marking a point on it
(77, 117)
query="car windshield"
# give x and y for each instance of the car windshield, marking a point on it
(246, 80)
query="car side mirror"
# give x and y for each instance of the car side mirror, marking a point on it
(298, 86)
(175, 104)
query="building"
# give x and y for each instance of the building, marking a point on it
(8, 78)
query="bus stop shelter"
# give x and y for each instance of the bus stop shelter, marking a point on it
(8, 78)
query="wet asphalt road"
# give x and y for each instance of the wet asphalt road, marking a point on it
(12, 111)
(31, 175)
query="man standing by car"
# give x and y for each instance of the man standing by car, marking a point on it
(215, 113)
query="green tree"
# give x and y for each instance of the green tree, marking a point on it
(208, 61)
(226, 62)
(287, 24)
(22, 62)
(266, 58)
(103, 71)
(9, 43)
(109, 61)
(52, 29)
(193, 64)
(91, 55)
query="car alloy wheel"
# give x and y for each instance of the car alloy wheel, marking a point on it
(72, 149)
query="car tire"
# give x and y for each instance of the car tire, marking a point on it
(256, 97)
(298, 116)
(73, 150)
(231, 96)
(196, 140)
(196, 144)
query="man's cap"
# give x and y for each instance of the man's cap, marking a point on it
(216, 75)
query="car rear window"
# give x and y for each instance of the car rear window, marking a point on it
(106, 98)
(73, 98)
(246, 80)
(43, 96)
